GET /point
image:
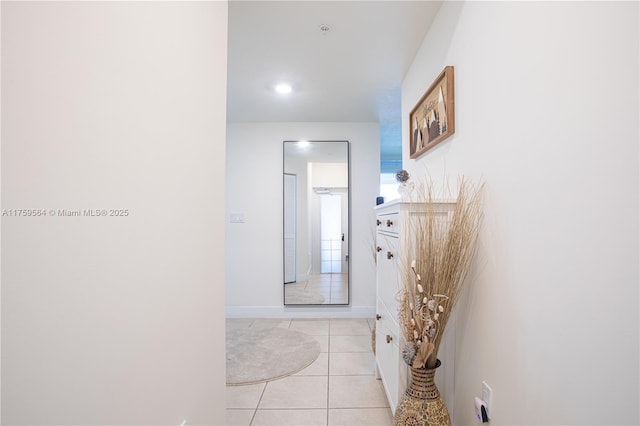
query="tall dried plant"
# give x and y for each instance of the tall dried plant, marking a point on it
(441, 242)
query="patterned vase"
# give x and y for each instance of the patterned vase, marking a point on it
(422, 404)
(405, 189)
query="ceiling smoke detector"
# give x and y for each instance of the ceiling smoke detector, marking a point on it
(324, 28)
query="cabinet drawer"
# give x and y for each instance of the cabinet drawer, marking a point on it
(388, 223)
(388, 321)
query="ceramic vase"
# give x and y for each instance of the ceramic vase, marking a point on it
(422, 404)
(405, 189)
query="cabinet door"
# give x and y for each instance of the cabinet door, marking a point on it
(387, 355)
(388, 273)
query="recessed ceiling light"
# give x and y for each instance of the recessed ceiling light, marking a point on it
(283, 88)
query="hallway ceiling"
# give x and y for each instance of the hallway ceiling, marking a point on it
(351, 73)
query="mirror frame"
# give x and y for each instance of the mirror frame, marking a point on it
(349, 228)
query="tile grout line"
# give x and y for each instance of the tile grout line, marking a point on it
(258, 404)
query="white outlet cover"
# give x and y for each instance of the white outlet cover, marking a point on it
(487, 395)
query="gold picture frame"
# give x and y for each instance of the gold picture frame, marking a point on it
(432, 120)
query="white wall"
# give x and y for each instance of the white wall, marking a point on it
(329, 175)
(547, 114)
(253, 263)
(113, 320)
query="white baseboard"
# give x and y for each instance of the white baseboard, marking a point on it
(300, 312)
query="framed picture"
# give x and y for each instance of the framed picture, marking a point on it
(432, 120)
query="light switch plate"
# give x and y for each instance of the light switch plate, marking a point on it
(237, 218)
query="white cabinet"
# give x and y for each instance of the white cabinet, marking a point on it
(388, 360)
(390, 222)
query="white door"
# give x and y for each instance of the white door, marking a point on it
(330, 234)
(289, 228)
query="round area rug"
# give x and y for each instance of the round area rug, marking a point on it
(258, 355)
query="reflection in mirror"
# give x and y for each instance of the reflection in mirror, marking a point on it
(316, 222)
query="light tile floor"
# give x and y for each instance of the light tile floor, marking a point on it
(334, 288)
(339, 388)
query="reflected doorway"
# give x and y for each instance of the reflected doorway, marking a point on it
(316, 223)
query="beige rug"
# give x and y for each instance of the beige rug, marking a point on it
(259, 355)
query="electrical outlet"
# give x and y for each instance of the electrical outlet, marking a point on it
(487, 395)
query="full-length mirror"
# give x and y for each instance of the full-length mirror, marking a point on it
(316, 222)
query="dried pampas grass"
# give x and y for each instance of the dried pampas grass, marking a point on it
(441, 242)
